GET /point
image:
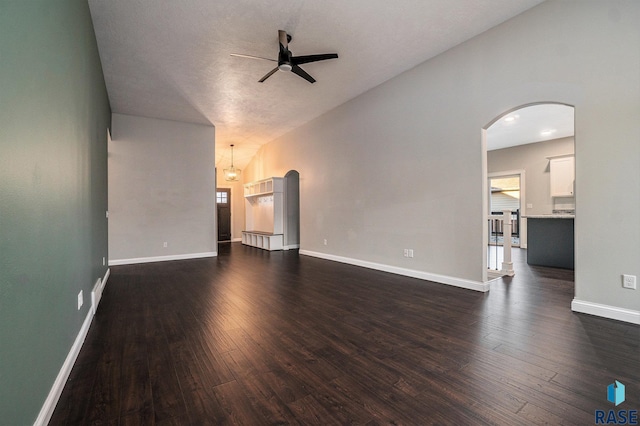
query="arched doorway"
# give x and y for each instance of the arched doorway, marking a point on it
(292, 203)
(536, 140)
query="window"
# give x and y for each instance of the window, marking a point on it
(222, 197)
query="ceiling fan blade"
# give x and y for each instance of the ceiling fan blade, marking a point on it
(269, 74)
(296, 69)
(297, 60)
(253, 57)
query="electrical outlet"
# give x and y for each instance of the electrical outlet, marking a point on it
(164, 244)
(325, 241)
(529, 205)
(104, 261)
(405, 252)
(410, 252)
(80, 300)
(629, 281)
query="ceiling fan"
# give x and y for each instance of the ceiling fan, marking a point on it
(287, 62)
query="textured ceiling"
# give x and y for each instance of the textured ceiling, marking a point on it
(171, 59)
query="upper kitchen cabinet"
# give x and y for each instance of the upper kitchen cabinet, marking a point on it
(562, 175)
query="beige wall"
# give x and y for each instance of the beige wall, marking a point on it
(161, 189)
(401, 166)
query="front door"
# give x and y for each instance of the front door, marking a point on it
(223, 201)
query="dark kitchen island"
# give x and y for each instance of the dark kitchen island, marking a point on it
(550, 240)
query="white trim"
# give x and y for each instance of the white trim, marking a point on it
(606, 311)
(236, 240)
(291, 247)
(442, 279)
(137, 260)
(56, 390)
(96, 293)
(58, 385)
(486, 191)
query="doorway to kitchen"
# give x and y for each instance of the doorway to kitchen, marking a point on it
(532, 139)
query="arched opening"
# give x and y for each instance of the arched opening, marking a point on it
(529, 168)
(292, 206)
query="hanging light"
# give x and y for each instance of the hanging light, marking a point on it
(232, 174)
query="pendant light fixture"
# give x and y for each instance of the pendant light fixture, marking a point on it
(232, 174)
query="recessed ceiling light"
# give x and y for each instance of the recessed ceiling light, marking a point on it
(548, 132)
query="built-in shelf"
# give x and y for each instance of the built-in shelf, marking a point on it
(560, 156)
(264, 214)
(262, 240)
(264, 187)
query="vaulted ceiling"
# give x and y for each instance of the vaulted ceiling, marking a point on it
(171, 59)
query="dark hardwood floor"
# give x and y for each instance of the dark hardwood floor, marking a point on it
(255, 337)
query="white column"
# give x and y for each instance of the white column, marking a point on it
(507, 264)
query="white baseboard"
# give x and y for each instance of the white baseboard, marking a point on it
(442, 279)
(236, 240)
(137, 260)
(606, 311)
(96, 293)
(58, 385)
(291, 247)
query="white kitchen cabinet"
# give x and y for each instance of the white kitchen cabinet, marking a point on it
(562, 176)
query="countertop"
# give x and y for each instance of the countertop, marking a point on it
(550, 216)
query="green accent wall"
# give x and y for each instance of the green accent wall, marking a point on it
(54, 115)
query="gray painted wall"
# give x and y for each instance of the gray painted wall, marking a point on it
(54, 115)
(532, 158)
(161, 189)
(401, 166)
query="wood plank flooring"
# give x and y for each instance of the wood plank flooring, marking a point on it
(273, 338)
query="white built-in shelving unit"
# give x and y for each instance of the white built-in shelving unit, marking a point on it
(264, 214)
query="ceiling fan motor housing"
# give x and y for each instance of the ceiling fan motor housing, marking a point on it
(289, 63)
(284, 60)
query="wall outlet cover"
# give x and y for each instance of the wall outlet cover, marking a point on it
(629, 281)
(80, 300)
